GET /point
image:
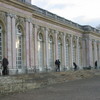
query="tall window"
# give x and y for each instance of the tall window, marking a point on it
(67, 53)
(51, 52)
(19, 47)
(60, 49)
(40, 52)
(1, 43)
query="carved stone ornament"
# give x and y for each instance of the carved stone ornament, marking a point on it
(20, 21)
(3, 17)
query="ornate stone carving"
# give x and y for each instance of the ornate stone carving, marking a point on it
(3, 17)
(20, 21)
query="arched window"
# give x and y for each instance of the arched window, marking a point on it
(50, 52)
(1, 43)
(60, 49)
(19, 47)
(40, 52)
(67, 53)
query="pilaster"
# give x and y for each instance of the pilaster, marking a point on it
(64, 50)
(35, 48)
(95, 51)
(31, 59)
(27, 42)
(71, 51)
(9, 42)
(99, 53)
(13, 42)
(77, 51)
(46, 48)
(56, 46)
(89, 52)
(84, 52)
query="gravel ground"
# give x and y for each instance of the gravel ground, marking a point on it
(26, 82)
(84, 89)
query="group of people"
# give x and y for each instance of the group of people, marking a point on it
(4, 66)
(57, 63)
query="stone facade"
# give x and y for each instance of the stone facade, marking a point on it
(33, 38)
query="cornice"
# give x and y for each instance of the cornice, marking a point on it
(54, 19)
(20, 5)
(55, 22)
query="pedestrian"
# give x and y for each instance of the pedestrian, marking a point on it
(57, 63)
(95, 64)
(75, 66)
(5, 66)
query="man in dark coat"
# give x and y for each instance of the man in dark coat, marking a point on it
(95, 64)
(5, 66)
(57, 63)
(75, 66)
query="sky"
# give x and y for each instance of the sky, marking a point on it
(83, 12)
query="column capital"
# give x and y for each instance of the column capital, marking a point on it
(8, 14)
(35, 26)
(28, 20)
(13, 16)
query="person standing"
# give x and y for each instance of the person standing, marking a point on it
(5, 66)
(57, 63)
(95, 64)
(75, 66)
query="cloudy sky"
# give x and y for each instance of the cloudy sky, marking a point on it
(84, 12)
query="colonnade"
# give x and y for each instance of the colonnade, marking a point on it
(40, 46)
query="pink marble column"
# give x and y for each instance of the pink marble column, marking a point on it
(13, 42)
(63, 51)
(77, 51)
(71, 51)
(84, 52)
(95, 51)
(89, 52)
(31, 46)
(35, 48)
(56, 46)
(27, 43)
(46, 48)
(99, 54)
(9, 42)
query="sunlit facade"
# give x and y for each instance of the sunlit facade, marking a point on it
(32, 39)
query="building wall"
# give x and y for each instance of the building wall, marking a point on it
(36, 41)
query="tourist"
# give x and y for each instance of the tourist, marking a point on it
(57, 63)
(75, 66)
(95, 64)
(5, 66)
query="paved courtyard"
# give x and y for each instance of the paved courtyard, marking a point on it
(85, 89)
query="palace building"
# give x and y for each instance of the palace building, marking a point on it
(33, 38)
